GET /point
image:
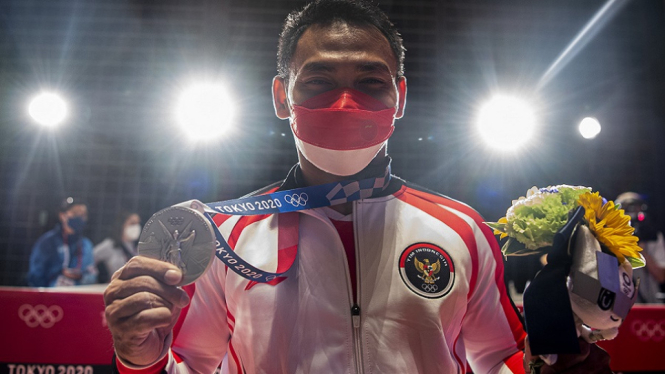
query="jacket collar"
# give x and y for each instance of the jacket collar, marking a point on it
(295, 179)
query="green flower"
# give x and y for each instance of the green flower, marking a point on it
(532, 221)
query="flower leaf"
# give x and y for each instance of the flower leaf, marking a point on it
(498, 226)
(513, 247)
(636, 262)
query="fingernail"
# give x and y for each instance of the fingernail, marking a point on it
(172, 276)
(184, 299)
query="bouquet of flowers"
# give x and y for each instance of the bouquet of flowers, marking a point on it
(532, 221)
(586, 288)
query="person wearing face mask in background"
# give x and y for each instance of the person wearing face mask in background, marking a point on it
(63, 256)
(113, 252)
(652, 276)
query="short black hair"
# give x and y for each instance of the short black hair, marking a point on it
(326, 12)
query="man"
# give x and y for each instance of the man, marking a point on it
(63, 256)
(405, 281)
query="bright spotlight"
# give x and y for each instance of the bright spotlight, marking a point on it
(589, 128)
(505, 123)
(204, 111)
(47, 109)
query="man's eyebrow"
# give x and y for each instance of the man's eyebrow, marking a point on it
(314, 67)
(374, 66)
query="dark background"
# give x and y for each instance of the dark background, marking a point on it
(122, 63)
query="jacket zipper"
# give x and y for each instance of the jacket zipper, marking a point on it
(355, 316)
(355, 308)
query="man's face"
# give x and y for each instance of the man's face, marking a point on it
(336, 56)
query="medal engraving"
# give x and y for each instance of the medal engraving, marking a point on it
(182, 237)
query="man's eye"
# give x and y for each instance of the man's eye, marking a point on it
(316, 82)
(372, 81)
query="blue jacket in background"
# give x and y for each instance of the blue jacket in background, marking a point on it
(48, 257)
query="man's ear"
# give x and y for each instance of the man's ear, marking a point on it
(401, 89)
(280, 98)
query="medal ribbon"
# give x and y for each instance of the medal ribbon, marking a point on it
(293, 200)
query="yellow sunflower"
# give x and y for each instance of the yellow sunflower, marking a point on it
(612, 228)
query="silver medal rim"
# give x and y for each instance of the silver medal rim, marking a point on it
(195, 215)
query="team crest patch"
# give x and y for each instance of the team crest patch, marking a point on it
(427, 270)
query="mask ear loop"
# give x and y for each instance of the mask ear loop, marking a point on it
(288, 99)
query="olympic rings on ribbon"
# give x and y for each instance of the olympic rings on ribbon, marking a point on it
(297, 199)
(40, 315)
(649, 330)
(431, 288)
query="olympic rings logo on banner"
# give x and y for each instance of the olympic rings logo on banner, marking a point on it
(429, 287)
(40, 315)
(297, 199)
(649, 330)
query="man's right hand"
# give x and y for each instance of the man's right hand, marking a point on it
(142, 306)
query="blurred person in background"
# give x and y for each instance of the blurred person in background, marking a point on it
(63, 256)
(114, 251)
(652, 276)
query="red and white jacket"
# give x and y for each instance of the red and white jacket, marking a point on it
(412, 315)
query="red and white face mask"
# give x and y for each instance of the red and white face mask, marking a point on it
(341, 131)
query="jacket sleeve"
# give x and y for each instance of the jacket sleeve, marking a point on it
(200, 337)
(88, 268)
(44, 263)
(201, 340)
(492, 330)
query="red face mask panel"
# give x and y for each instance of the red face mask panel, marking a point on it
(343, 119)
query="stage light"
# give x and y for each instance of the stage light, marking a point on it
(589, 128)
(506, 123)
(48, 109)
(205, 111)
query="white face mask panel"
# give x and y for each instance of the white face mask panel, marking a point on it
(341, 163)
(133, 232)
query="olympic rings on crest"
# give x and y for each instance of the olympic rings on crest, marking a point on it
(40, 315)
(431, 288)
(297, 199)
(649, 330)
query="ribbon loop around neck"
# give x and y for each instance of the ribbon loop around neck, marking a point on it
(288, 201)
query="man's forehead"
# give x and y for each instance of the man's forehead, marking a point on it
(360, 64)
(321, 47)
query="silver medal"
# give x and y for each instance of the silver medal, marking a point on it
(181, 236)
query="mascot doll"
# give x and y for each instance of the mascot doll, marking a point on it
(586, 288)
